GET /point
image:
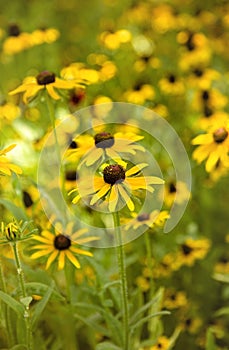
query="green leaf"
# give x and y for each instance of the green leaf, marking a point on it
(221, 277)
(107, 346)
(223, 311)
(93, 322)
(12, 303)
(210, 342)
(147, 318)
(26, 301)
(40, 306)
(19, 347)
(144, 308)
(17, 212)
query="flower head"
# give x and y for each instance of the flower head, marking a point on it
(61, 244)
(104, 143)
(45, 80)
(153, 219)
(115, 184)
(213, 146)
(5, 166)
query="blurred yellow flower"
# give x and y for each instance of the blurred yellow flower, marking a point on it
(5, 166)
(44, 81)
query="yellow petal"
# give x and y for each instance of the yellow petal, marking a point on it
(52, 92)
(126, 198)
(61, 260)
(81, 251)
(51, 258)
(40, 254)
(113, 198)
(93, 156)
(135, 169)
(202, 139)
(102, 192)
(73, 259)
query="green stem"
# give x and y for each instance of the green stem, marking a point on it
(123, 280)
(149, 260)
(69, 280)
(5, 308)
(21, 279)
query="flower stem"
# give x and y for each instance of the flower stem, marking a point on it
(123, 280)
(5, 310)
(21, 279)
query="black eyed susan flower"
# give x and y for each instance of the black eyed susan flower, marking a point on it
(104, 144)
(171, 85)
(153, 219)
(61, 244)
(45, 80)
(115, 184)
(174, 299)
(6, 167)
(163, 343)
(213, 146)
(192, 250)
(175, 191)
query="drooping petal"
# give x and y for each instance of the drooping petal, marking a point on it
(113, 199)
(126, 198)
(61, 260)
(73, 259)
(93, 156)
(202, 139)
(52, 92)
(51, 258)
(102, 192)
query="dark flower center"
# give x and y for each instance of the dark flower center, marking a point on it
(190, 44)
(45, 78)
(71, 175)
(220, 135)
(172, 78)
(77, 97)
(186, 249)
(27, 199)
(198, 72)
(207, 111)
(104, 140)
(62, 242)
(14, 30)
(172, 188)
(113, 174)
(205, 95)
(143, 217)
(73, 145)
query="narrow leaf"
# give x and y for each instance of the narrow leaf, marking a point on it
(12, 303)
(41, 305)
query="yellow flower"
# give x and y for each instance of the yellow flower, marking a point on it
(115, 185)
(9, 111)
(78, 71)
(174, 299)
(172, 85)
(46, 35)
(140, 94)
(104, 143)
(190, 251)
(5, 166)
(61, 244)
(155, 218)
(176, 191)
(163, 343)
(213, 146)
(44, 80)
